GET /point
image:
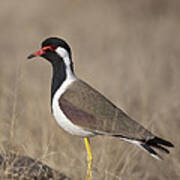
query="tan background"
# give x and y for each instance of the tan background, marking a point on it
(128, 50)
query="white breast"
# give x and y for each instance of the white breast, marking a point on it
(60, 117)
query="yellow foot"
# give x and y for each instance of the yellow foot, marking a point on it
(89, 159)
(88, 175)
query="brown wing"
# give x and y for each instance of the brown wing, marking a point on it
(87, 108)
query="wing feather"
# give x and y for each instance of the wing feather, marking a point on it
(86, 107)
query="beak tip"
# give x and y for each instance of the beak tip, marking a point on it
(30, 56)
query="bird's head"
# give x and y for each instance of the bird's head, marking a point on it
(53, 49)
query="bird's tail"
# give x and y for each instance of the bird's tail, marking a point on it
(157, 143)
(148, 145)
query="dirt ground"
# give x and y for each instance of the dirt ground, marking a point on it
(128, 50)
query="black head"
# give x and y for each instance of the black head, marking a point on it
(55, 42)
(58, 53)
(48, 50)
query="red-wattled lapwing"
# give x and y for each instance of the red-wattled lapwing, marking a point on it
(81, 110)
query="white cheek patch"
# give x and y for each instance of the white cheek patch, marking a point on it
(62, 52)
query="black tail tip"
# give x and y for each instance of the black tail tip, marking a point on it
(158, 144)
(157, 140)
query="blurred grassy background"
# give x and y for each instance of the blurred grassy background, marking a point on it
(128, 50)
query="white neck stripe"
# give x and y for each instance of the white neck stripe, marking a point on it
(65, 56)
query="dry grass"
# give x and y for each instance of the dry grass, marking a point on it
(129, 50)
(17, 167)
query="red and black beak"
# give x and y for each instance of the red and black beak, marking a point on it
(40, 52)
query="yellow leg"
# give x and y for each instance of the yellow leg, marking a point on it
(89, 158)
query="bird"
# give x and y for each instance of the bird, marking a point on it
(83, 111)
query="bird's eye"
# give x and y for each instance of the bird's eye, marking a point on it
(54, 47)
